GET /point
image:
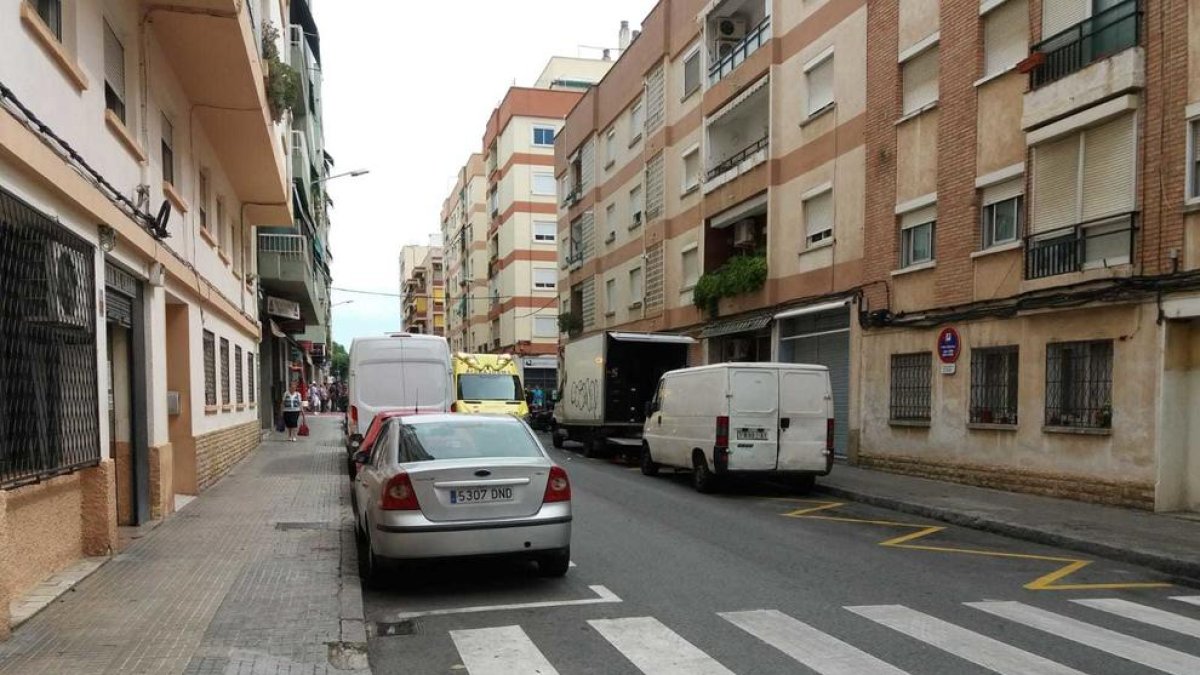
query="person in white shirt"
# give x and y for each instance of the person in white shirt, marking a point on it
(291, 410)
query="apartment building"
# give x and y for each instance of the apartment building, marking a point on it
(464, 229)
(713, 186)
(1030, 294)
(137, 154)
(423, 290)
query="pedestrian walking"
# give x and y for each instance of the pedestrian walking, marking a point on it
(291, 408)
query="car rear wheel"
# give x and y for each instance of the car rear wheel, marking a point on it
(558, 438)
(649, 467)
(554, 564)
(370, 566)
(704, 480)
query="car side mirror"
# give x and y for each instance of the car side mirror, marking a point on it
(650, 408)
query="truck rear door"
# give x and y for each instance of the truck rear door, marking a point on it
(805, 407)
(753, 419)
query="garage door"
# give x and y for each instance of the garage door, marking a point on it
(823, 339)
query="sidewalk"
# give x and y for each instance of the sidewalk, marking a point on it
(1166, 543)
(257, 575)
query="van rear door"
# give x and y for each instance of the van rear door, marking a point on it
(805, 406)
(753, 418)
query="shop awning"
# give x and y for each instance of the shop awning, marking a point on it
(662, 338)
(812, 309)
(743, 324)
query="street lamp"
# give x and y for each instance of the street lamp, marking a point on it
(355, 172)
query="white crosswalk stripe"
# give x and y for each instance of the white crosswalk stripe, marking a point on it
(1127, 647)
(1190, 599)
(1149, 615)
(656, 649)
(506, 650)
(823, 653)
(965, 644)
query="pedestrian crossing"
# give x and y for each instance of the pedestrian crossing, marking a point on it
(651, 647)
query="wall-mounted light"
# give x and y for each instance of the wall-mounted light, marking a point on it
(108, 238)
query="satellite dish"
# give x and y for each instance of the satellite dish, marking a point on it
(159, 228)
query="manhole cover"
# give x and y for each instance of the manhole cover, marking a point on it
(385, 629)
(317, 525)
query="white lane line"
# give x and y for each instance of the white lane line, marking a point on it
(603, 596)
(1149, 615)
(821, 652)
(1190, 599)
(1118, 644)
(506, 650)
(965, 644)
(656, 649)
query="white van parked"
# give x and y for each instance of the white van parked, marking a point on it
(396, 371)
(741, 418)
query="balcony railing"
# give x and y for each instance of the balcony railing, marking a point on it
(1071, 249)
(738, 157)
(573, 196)
(283, 244)
(757, 37)
(1114, 30)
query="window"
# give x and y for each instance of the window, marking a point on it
(545, 278)
(1005, 37)
(610, 296)
(51, 13)
(636, 290)
(610, 148)
(1194, 159)
(493, 202)
(1079, 384)
(1001, 218)
(543, 136)
(916, 236)
(818, 217)
(210, 369)
(237, 375)
(544, 231)
(637, 121)
(168, 151)
(691, 170)
(690, 260)
(994, 376)
(691, 72)
(202, 205)
(225, 371)
(635, 206)
(908, 396)
(250, 375)
(920, 75)
(545, 326)
(610, 222)
(114, 73)
(818, 79)
(543, 184)
(220, 224)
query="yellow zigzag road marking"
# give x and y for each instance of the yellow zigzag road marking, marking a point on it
(1048, 582)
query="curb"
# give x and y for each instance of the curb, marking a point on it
(1183, 568)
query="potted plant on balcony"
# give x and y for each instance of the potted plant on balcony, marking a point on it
(282, 80)
(570, 323)
(740, 274)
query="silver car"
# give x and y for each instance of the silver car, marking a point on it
(441, 486)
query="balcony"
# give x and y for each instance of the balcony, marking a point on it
(747, 116)
(286, 270)
(1094, 244)
(735, 33)
(1098, 37)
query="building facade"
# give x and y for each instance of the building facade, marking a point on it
(138, 152)
(464, 229)
(423, 290)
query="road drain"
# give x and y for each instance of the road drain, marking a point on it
(394, 629)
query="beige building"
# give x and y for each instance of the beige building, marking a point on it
(110, 111)
(464, 229)
(423, 289)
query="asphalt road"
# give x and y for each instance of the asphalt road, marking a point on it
(669, 581)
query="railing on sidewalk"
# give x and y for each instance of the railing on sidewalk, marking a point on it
(1106, 33)
(738, 157)
(757, 37)
(1066, 249)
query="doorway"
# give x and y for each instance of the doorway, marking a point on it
(128, 432)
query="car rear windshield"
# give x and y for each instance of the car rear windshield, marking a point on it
(489, 387)
(466, 439)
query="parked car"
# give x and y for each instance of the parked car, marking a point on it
(367, 442)
(397, 370)
(460, 485)
(755, 419)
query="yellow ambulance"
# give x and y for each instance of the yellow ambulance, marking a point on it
(488, 383)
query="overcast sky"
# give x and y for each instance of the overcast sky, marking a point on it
(408, 88)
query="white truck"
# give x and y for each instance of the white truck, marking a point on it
(605, 382)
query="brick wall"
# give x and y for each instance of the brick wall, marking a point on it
(883, 104)
(219, 451)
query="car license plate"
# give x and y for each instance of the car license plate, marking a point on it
(481, 495)
(752, 434)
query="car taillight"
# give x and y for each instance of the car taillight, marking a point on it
(558, 486)
(829, 426)
(398, 494)
(722, 432)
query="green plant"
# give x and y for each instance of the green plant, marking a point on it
(740, 274)
(569, 322)
(283, 81)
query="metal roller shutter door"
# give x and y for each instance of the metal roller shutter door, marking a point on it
(832, 350)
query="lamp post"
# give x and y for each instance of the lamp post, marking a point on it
(354, 173)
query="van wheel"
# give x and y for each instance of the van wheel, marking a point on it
(558, 438)
(704, 480)
(804, 484)
(649, 467)
(595, 446)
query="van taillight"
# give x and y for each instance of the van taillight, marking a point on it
(399, 495)
(454, 407)
(558, 486)
(722, 432)
(829, 427)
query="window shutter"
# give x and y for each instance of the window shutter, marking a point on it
(654, 187)
(1059, 15)
(114, 62)
(1006, 31)
(1055, 184)
(918, 217)
(820, 85)
(1002, 191)
(1109, 174)
(655, 99)
(818, 213)
(921, 80)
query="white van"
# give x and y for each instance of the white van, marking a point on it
(741, 418)
(396, 371)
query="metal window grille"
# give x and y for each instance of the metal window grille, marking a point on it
(994, 376)
(250, 376)
(1079, 384)
(210, 369)
(225, 371)
(910, 386)
(237, 374)
(49, 392)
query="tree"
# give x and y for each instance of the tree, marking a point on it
(341, 363)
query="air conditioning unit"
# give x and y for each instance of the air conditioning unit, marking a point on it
(743, 234)
(60, 296)
(731, 28)
(726, 47)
